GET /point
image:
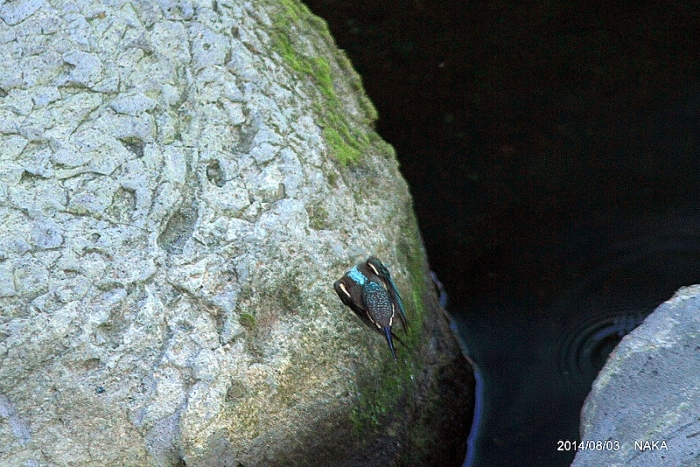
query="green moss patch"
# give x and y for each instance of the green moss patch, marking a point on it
(248, 321)
(346, 143)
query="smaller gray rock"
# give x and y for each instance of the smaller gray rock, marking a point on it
(644, 405)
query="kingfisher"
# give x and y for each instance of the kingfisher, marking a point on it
(368, 290)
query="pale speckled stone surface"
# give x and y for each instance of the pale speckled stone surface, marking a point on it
(172, 222)
(648, 393)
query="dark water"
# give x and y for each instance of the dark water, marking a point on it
(553, 151)
(539, 357)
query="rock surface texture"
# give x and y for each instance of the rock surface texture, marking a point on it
(644, 407)
(180, 185)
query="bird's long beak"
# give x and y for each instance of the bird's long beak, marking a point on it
(387, 334)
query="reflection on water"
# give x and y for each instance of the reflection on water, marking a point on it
(584, 348)
(538, 358)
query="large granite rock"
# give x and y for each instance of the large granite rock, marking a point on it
(180, 185)
(644, 408)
